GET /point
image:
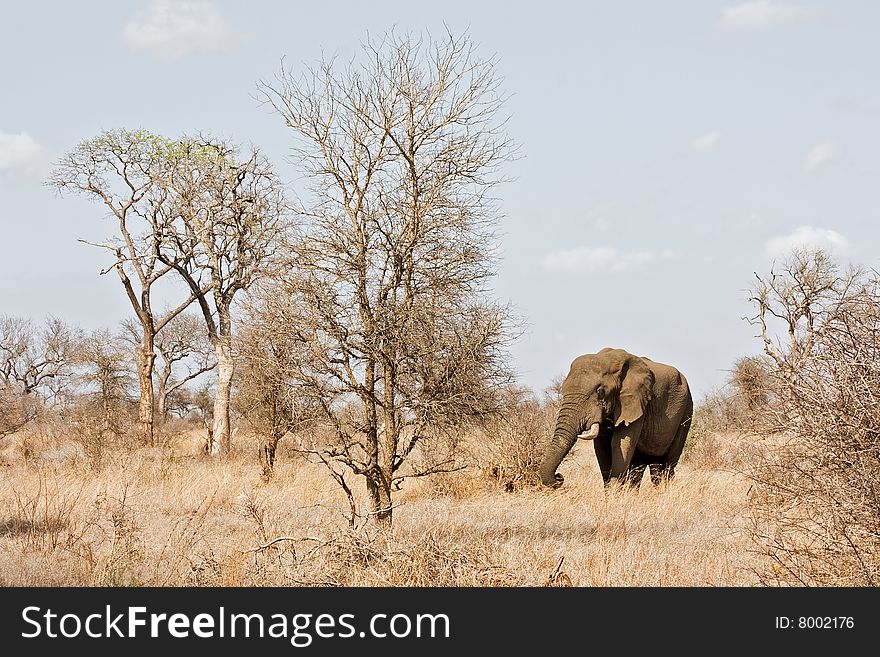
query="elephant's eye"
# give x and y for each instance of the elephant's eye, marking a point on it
(600, 392)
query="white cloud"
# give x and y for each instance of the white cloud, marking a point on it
(706, 142)
(585, 258)
(763, 14)
(17, 151)
(171, 29)
(807, 237)
(822, 154)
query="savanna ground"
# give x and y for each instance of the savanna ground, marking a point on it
(171, 516)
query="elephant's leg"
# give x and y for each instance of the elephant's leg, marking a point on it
(635, 474)
(602, 445)
(676, 447)
(659, 473)
(623, 448)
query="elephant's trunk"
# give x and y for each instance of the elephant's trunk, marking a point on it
(570, 421)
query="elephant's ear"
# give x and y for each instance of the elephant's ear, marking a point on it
(636, 390)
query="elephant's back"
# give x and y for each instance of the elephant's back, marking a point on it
(668, 379)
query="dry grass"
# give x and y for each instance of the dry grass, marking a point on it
(171, 517)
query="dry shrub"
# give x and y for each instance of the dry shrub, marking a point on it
(461, 484)
(509, 445)
(729, 420)
(114, 551)
(99, 542)
(705, 447)
(816, 502)
(717, 446)
(740, 405)
(266, 392)
(441, 556)
(40, 519)
(16, 410)
(84, 425)
(83, 428)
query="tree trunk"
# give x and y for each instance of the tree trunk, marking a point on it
(380, 499)
(378, 485)
(219, 439)
(162, 394)
(267, 453)
(146, 357)
(387, 439)
(161, 405)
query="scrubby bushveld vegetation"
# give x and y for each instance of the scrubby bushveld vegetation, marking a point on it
(777, 485)
(319, 392)
(811, 403)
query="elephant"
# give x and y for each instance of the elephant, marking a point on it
(636, 412)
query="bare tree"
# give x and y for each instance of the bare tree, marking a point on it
(107, 379)
(127, 172)
(387, 289)
(32, 357)
(16, 410)
(184, 354)
(802, 293)
(268, 393)
(229, 218)
(816, 503)
(35, 363)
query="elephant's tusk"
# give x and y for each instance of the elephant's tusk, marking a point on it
(592, 433)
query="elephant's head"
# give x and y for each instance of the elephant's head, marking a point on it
(601, 391)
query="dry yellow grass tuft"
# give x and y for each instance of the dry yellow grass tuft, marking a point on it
(170, 517)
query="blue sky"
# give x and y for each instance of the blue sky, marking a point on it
(668, 150)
